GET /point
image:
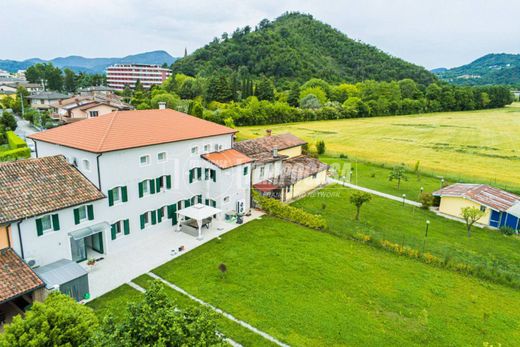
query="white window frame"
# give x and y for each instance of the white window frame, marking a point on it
(84, 208)
(119, 229)
(86, 164)
(165, 157)
(207, 148)
(93, 114)
(163, 182)
(119, 195)
(147, 160)
(195, 150)
(262, 171)
(146, 187)
(148, 219)
(51, 226)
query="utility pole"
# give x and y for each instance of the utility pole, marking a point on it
(21, 103)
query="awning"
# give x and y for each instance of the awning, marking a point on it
(198, 211)
(91, 230)
(265, 186)
(514, 210)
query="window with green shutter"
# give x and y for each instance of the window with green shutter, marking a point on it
(110, 197)
(154, 217)
(152, 186)
(169, 182)
(199, 173)
(246, 170)
(124, 194)
(47, 223)
(141, 189)
(113, 231)
(206, 174)
(55, 222)
(191, 176)
(213, 175)
(199, 199)
(90, 212)
(143, 220)
(159, 184)
(126, 226)
(160, 214)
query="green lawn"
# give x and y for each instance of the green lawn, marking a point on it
(475, 145)
(376, 177)
(390, 220)
(310, 288)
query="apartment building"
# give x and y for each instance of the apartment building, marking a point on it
(121, 75)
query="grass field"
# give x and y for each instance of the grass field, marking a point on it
(475, 145)
(376, 177)
(390, 220)
(313, 289)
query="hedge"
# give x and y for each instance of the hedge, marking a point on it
(14, 141)
(14, 154)
(292, 214)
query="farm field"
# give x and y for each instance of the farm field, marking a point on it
(347, 294)
(474, 145)
(390, 220)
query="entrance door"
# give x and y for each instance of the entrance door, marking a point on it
(78, 250)
(97, 242)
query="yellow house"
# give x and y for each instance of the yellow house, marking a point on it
(280, 168)
(500, 208)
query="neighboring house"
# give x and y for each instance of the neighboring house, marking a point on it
(500, 208)
(96, 90)
(87, 106)
(13, 86)
(44, 204)
(150, 164)
(42, 101)
(19, 286)
(280, 169)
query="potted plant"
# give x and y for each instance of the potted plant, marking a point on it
(91, 262)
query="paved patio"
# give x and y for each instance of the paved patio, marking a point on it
(139, 255)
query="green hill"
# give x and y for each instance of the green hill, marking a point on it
(297, 47)
(490, 69)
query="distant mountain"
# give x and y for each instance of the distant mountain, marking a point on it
(438, 70)
(490, 69)
(297, 47)
(91, 65)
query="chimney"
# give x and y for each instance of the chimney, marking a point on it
(268, 132)
(275, 152)
(162, 105)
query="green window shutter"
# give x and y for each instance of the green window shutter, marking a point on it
(159, 215)
(199, 198)
(113, 231)
(199, 173)
(55, 222)
(213, 203)
(124, 194)
(191, 176)
(152, 186)
(141, 193)
(90, 212)
(39, 228)
(174, 219)
(76, 216)
(213, 175)
(187, 203)
(142, 221)
(168, 182)
(245, 171)
(157, 183)
(126, 227)
(206, 174)
(110, 197)
(154, 217)
(206, 202)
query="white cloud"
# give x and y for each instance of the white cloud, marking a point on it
(430, 33)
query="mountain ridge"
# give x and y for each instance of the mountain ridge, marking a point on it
(91, 65)
(492, 68)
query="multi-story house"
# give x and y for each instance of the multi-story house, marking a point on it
(121, 75)
(280, 169)
(85, 106)
(42, 100)
(150, 165)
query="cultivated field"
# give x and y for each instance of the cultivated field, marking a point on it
(476, 145)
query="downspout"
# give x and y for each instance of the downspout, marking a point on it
(98, 170)
(36, 148)
(20, 238)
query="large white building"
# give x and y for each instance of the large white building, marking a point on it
(149, 165)
(121, 75)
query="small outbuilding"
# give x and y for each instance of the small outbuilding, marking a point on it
(67, 276)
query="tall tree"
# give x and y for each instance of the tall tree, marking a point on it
(69, 81)
(265, 89)
(219, 89)
(399, 174)
(358, 199)
(471, 215)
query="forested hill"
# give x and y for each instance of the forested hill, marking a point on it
(489, 69)
(297, 47)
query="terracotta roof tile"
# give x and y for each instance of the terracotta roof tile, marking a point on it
(483, 194)
(33, 187)
(129, 129)
(266, 144)
(16, 277)
(227, 158)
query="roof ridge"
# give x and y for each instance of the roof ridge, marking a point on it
(102, 142)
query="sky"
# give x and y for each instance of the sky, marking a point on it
(431, 33)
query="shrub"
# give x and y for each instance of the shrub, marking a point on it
(14, 141)
(292, 214)
(14, 154)
(426, 200)
(320, 147)
(506, 230)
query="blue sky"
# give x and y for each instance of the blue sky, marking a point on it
(429, 33)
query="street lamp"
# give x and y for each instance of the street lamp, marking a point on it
(422, 190)
(442, 182)
(350, 177)
(404, 198)
(426, 230)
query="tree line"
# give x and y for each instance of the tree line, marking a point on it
(64, 80)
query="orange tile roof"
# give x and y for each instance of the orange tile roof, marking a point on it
(16, 277)
(129, 129)
(227, 158)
